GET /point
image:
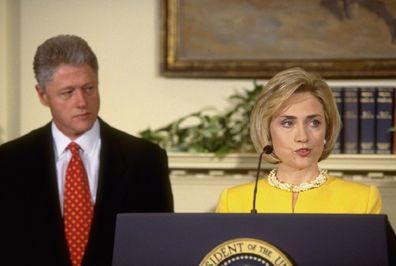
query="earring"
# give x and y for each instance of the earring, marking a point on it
(324, 142)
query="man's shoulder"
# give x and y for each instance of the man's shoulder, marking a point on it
(26, 148)
(33, 138)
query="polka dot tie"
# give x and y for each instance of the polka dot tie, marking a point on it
(78, 207)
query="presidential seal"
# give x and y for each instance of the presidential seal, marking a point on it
(246, 252)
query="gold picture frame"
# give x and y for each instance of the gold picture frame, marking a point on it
(256, 39)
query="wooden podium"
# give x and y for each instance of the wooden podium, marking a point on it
(306, 239)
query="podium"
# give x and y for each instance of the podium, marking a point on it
(306, 239)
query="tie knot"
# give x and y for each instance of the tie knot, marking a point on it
(74, 148)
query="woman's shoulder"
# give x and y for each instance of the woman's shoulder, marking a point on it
(248, 186)
(237, 198)
(360, 197)
(349, 185)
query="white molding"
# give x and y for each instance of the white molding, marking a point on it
(335, 162)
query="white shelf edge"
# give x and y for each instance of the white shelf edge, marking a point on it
(337, 162)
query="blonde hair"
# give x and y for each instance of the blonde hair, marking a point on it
(276, 92)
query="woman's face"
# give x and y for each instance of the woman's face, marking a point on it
(298, 132)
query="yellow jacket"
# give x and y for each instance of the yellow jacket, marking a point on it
(335, 196)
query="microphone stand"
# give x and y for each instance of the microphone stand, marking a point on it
(267, 150)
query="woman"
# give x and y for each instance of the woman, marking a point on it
(296, 121)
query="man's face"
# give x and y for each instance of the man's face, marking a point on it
(73, 98)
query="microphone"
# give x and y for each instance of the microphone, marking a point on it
(267, 150)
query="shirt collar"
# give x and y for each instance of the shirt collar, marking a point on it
(86, 141)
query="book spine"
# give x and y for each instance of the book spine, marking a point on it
(367, 120)
(351, 121)
(394, 123)
(338, 97)
(384, 118)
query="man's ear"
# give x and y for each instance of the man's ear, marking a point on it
(42, 95)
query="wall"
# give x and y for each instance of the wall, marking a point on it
(9, 69)
(125, 36)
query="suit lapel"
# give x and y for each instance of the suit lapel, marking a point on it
(112, 166)
(42, 194)
(44, 179)
(110, 187)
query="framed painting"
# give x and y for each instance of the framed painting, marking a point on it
(346, 39)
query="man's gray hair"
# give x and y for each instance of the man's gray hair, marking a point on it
(61, 49)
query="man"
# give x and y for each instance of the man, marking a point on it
(63, 184)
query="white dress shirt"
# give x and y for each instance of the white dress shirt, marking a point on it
(90, 144)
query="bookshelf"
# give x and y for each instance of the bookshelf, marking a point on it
(367, 114)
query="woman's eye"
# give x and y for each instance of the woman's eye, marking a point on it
(315, 123)
(287, 123)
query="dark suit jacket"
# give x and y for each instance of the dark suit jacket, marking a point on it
(133, 177)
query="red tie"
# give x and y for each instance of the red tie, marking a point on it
(78, 207)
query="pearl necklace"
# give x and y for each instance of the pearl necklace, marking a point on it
(317, 182)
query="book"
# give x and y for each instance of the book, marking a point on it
(384, 120)
(367, 125)
(338, 97)
(394, 123)
(351, 121)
